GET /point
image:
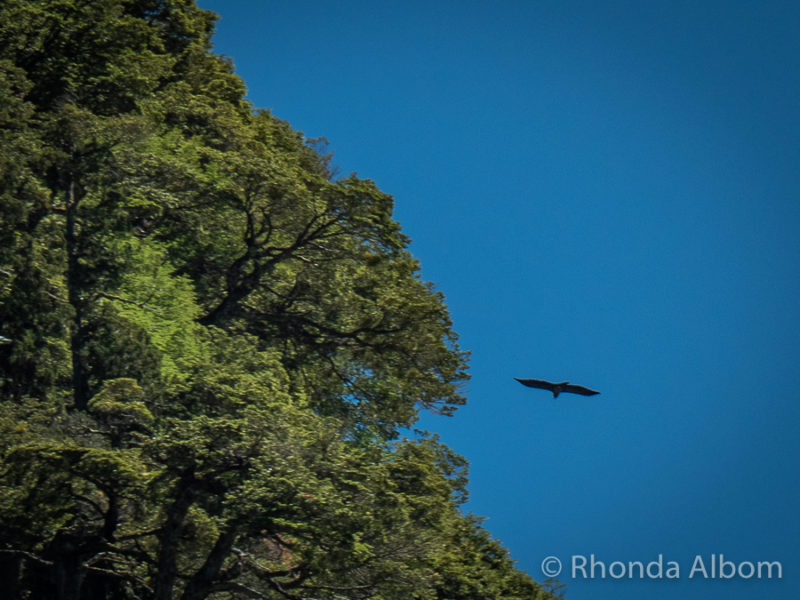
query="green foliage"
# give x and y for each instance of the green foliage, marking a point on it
(154, 299)
(209, 344)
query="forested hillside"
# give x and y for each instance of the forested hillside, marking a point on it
(210, 345)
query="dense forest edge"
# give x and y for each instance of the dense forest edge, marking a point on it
(209, 345)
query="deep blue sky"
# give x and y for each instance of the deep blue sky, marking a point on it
(606, 192)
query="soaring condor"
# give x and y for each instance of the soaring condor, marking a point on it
(557, 388)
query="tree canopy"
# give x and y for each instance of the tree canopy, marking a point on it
(210, 344)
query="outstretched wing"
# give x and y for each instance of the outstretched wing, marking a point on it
(579, 389)
(536, 383)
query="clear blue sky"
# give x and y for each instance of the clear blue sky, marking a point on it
(606, 192)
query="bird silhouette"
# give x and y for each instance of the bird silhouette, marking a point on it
(557, 388)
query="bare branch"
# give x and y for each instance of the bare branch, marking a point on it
(129, 301)
(26, 554)
(123, 576)
(140, 534)
(238, 587)
(56, 298)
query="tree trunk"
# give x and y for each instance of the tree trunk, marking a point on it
(10, 572)
(67, 570)
(80, 384)
(170, 534)
(200, 584)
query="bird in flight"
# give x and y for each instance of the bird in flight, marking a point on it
(557, 388)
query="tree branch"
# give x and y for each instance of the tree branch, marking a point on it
(200, 583)
(128, 301)
(26, 554)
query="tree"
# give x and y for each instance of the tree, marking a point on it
(210, 343)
